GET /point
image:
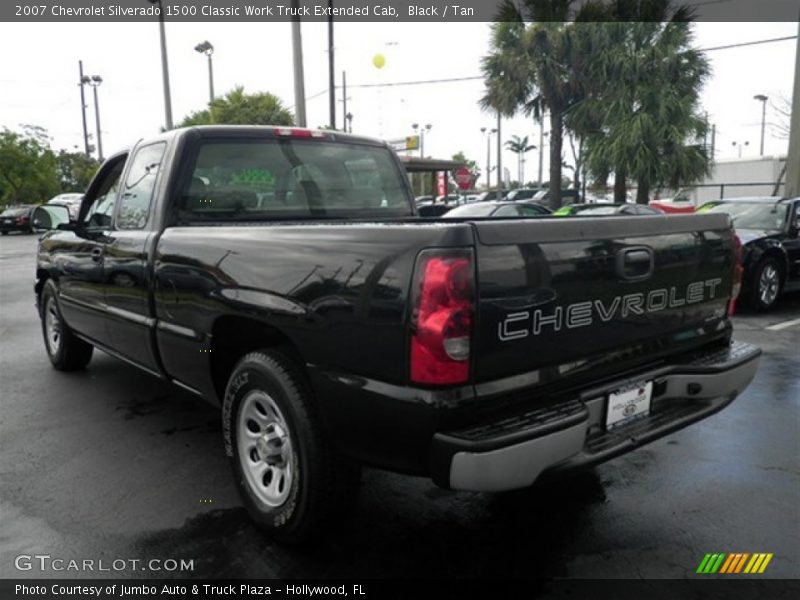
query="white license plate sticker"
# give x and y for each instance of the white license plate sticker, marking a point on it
(628, 404)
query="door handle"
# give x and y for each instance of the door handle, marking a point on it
(97, 254)
(635, 263)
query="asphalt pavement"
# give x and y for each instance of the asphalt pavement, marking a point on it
(111, 463)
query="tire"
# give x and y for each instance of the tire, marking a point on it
(66, 351)
(766, 285)
(4, 232)
(289, 477)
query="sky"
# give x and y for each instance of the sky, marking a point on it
(39, 75)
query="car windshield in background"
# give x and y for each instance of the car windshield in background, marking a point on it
(597, 210)
(475, 209)
(754, 215)
(289, 178)
(15, 212)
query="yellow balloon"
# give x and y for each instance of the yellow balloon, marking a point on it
(379, 60)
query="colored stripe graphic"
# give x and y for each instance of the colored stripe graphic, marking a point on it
(729, 563)
(741, 562)
(703, 563)
(714, 567)
(734, 563)
(765, 563)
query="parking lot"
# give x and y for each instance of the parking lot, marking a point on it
(112, 463)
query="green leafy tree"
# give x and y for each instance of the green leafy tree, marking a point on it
(520, 147)
(238, 108)
(28, 171)
(75, 170)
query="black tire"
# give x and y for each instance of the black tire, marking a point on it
(4, 232)
(321, 484)
(66, 351)
(766, 284)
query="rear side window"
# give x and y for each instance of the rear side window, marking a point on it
(291, 178)
(137, 193)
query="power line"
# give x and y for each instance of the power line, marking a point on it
(753, 43)
(477, 77)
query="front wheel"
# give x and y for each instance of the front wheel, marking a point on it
(66, 351)
(767, 283)
(288, 475)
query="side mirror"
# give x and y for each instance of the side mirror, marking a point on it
(49, 217)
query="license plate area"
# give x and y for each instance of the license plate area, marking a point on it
(628, 404)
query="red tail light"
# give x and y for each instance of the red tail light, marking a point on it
(738, 272)
(441, 323)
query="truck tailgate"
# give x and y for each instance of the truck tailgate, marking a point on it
(557, 296)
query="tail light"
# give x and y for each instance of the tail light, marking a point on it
(738, 272)
(296, 132)
(441, 323)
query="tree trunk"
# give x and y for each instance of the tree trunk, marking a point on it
(556, 140)
(619, 185)
(643, 193)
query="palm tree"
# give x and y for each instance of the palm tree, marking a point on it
(646, 95)
(520, 147)
(529, 69)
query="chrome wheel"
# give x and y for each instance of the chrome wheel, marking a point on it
(52, 324)
(265, 448)
(768, 284)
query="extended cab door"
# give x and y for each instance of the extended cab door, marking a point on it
(78, 256)
(127, 277)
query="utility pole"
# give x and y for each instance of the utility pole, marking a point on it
(299, 82)
(95, 83)
(793, 157)
(164, 65)
(763, 99)
(344, 101)
(83, 109)
(499, 159)
(713, 141)
(331, 77)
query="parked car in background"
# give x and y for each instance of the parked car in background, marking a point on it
(543, 196)
(71, 201)
(433, 210)
(423, 199)
(680, 203)
(17, 218)
(586, 210)
(769, 230)
(490, 195)
(498, 209)
(521, 194)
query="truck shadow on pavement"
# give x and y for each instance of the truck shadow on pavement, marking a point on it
(402, 529)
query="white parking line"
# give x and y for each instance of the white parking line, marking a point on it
(784, 325)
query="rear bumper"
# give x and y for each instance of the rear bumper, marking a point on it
(514, 452)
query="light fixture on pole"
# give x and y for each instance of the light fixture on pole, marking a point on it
(207, 49)
(741, 145)
(95, 81)
(763, 99)
(164, 65)
(427, 128)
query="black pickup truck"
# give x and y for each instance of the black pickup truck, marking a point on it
(283, 274)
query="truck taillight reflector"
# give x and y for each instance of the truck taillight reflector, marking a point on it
(738, 272)
(441, 324)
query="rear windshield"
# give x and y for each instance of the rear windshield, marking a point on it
(292, 179)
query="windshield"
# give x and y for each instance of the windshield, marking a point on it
(290, 178)
(15, 212)
(597, 210)
(472, 210)
(754, 215)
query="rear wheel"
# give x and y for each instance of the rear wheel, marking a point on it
(767, 283)
(291, 480)
(66, 351)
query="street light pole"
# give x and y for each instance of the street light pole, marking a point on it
(499, 159)
(541, 149)
(763, 99)
(95, 81)
(741, 146)
(207, 49)
(331, 76)
(297, 56)
(83, 109)
(488, 133)
(164, 65)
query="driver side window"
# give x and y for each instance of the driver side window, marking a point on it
(100, 212)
